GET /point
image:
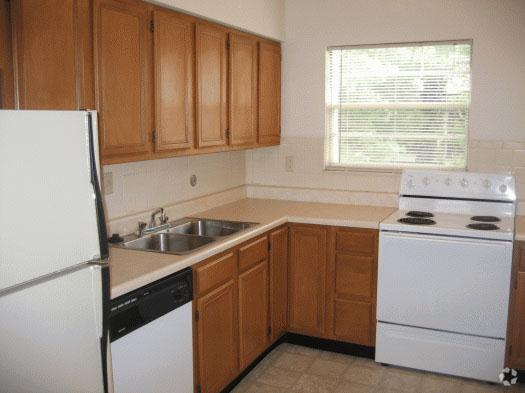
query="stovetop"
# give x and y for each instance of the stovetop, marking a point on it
(459, 225)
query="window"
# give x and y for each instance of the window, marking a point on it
(396, 106)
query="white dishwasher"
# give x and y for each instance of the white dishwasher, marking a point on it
(151, 337)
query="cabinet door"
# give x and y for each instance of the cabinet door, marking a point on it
(123, 76)
(217, 338)
(269, 93)
(53, 65)
(211, 78)
(243, 90)
(6, 58)
(253, 313)
(306, 280)
(173, 51)
(278, 282)
(517, 338)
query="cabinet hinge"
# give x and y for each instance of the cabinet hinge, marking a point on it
(151, 25)
(228, 43)
(154, 136)
(197, 315)
(269, 246)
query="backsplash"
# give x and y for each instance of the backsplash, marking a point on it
(267, 175)
(140, 187)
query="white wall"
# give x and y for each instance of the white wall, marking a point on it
(264, 17)
(140, 187)
(497, 115)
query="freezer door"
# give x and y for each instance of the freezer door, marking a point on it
(50, 335)
(48, 203)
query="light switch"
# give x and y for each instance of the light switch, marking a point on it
(108, 183)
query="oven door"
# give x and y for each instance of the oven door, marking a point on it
(451, 284)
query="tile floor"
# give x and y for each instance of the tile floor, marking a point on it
(296, 369)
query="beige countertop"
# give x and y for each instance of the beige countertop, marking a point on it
(520, 228)
(130, 269)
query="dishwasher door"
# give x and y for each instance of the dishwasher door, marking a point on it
(157, 357)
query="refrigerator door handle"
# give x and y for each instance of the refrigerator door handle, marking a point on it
(104, 339)
(101, 221)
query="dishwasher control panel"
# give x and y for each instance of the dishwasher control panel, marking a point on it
(137, 308)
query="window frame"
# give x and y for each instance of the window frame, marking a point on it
(389, 170)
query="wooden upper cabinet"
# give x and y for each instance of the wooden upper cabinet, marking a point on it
(269, 93)
(6, 58)
(53, 54)
(279, 282)
(122, 41)
(211, 68)
(243, 89)
(306, 280)
(254, 325)
(174, 78)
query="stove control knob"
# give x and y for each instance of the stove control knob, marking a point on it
(487, 183)
(426, 181)
(464, 183)
(503, 188)
(448, 181)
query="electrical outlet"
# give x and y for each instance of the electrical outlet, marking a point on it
(288, 163)
(108, 183)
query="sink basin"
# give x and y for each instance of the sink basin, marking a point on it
(213, 228)
(169, 243)
(184, 236)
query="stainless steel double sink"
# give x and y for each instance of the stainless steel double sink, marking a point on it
(186, 235)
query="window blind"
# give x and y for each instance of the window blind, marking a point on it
(398, 106)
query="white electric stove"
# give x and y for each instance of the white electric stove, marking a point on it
(444, 274)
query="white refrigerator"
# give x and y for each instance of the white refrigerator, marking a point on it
(54, 277)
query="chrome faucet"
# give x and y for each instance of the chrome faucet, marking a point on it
(163, 217)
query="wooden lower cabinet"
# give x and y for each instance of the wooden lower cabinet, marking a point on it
(253, 313)
(279, 282)
(306, 280)
(314, 280)
(352, 283)
(231, 327)
(217, 338)
(516, 335)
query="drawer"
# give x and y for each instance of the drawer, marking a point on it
(214, 273)
(359, 241)
(252, 253)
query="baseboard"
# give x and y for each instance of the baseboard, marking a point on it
(306, 341)
(247, 370)
(330, 345)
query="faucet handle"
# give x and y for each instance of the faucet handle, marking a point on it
(141, 226)
(164, 217)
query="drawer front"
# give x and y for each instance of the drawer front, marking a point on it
(359, 241)
(214, 273)
(252, 253)
(355, 276)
